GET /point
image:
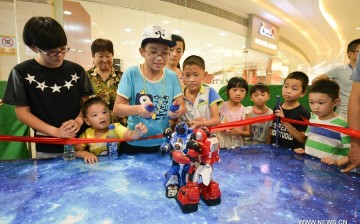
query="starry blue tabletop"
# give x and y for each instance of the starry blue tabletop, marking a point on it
(259, 184)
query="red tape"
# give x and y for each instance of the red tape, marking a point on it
(234, 124)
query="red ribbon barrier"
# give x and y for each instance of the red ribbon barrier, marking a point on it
(248, 121)
(62, 141)
(234, 124)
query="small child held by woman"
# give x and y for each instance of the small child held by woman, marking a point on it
(233, 110)
(97, 115)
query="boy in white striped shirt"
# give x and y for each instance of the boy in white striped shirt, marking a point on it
(328, 145)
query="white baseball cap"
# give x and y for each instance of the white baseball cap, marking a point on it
(156, 34)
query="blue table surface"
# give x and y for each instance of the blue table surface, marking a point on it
(259, 184)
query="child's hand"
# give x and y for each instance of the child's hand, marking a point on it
(280, 112)
(143, 112)
(71, 127)
(198, 122)
(175, 114)
(231, 131)
(328, 161)
(62, 132)
(140, 129)
(299, 151)
(88, 157)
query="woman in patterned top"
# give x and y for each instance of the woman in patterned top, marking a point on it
(103, 76)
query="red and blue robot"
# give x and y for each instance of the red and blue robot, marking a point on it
(198, 155)
(175, 141)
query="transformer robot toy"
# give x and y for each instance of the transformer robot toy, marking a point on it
(175, 141)
(201, 154)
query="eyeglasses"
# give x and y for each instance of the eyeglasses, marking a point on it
(154, 54)
(53, 53)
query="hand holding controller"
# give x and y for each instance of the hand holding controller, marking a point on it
(174, 107)
(150, 107)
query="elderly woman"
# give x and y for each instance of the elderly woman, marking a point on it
(103, 76)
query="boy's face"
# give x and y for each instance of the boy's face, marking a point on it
(193, 77)
(322, 105)
(98, 116)
(260, 98)
(52, 58)
(156, 55)
(292, 90)
(237, 94)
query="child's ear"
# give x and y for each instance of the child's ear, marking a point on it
(336, 102)
(87, 121)
(141, 51)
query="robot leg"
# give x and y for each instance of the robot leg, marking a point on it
(171, 182)
(184, 174)
(210, 194)
(188, 197)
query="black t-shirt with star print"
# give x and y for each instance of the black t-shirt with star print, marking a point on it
(53, 94)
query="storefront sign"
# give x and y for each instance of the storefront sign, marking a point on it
(262, 35)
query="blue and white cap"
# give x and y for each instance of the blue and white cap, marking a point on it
(156, 34)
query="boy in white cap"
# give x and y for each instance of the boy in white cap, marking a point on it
(149, 85)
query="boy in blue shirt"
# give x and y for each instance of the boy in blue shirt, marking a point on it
(147, 84)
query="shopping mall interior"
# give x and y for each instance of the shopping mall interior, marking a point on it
(309, 36)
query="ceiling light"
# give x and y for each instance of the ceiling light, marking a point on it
(357, 28)
(67, 12)
(127, 30)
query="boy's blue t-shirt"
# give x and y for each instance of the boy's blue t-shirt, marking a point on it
(138, 90)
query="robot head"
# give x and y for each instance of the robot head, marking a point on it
(181, 128)
(206, 130)
(200, 135)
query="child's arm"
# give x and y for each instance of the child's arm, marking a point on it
(140, 129)
(82, 153)
(298, 136)
(123, 109)
(214, 118)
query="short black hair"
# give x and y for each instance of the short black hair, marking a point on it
(102, 45)
(302, 77)
(237, 82)
(176, 38)
(194, 60)
(44, 33)
(92, 101)
(326, 86)
(259, 87)
(352, 46)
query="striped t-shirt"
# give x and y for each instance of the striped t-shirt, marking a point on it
(323, 142)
